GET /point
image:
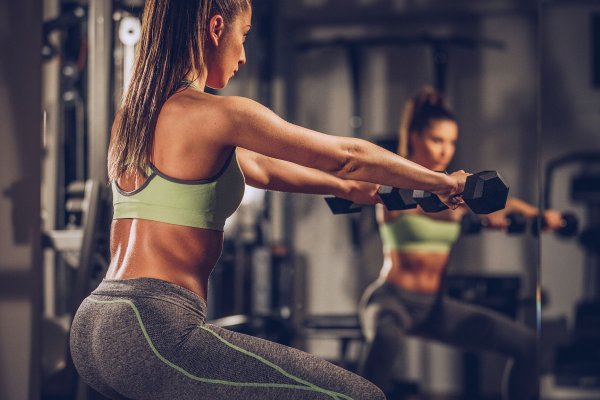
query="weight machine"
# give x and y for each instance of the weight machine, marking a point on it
(576, 364)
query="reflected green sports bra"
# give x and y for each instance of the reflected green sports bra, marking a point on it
(205, 203)
(416, 232)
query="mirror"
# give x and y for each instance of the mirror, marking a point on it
(349, 70)
(570, 160)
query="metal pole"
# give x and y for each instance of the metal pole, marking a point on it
(99, 78)
(53, 152)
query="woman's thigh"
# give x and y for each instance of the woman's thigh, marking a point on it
(473, 327)
(149, 350)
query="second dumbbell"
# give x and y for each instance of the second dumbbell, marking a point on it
(471, 224)
(569, 225)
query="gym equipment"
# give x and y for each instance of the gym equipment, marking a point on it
(393, 198)
(485, 192)
(576, 369)
(396, 199)
(337, 205)
(428, 201)
(473, 224)
(569, 225)
(84, 246)
(341, 327)
(130, 32)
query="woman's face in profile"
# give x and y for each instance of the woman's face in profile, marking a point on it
(229, 55)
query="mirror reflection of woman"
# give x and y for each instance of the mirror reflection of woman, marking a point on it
(406, 299)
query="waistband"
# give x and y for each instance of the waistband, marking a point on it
(152, 288)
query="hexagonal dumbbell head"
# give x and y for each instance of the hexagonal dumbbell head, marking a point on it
(570, 225)
(485, 192)
(396, 199)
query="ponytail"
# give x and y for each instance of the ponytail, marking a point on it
(419, 112)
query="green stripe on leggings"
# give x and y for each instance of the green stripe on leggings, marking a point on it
(276, 367)
(309, 386)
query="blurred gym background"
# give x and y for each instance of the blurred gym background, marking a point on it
(523, 77)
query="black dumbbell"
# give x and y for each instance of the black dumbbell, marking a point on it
(569, 225)
(485, 192)
(394, 199)
(337, 205)
(428, 201)
(517, 223)
(473, 224)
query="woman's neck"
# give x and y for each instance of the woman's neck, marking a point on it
(196, 79)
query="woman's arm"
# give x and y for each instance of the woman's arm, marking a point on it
(514, 205)
(249, 125)
(272, 174)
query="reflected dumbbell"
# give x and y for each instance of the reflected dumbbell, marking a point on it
(485, 192)
(569, 225)
(471, 224)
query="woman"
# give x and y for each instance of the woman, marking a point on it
(406, 298)
(178, 160)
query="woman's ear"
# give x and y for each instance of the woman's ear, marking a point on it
(216, 27)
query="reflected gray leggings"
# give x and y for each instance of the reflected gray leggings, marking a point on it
(388, 312)
(147, 339)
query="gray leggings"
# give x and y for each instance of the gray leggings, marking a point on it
(387, 312)
(147, 339)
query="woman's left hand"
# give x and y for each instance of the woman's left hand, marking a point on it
(552, 220)
(497, 220)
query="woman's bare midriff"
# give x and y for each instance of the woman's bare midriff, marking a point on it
(416, 271)
(178, 254)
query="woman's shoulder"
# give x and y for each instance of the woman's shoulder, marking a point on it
(188, 102)
(188, 110)
(198, 107)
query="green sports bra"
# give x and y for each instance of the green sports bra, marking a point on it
(205, 203)
(415, 232)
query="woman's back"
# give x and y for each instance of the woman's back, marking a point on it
(187, 165)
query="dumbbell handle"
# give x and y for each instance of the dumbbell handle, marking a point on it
(472, 223)
(393, 198)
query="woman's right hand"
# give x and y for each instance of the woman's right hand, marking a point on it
(451, 195)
